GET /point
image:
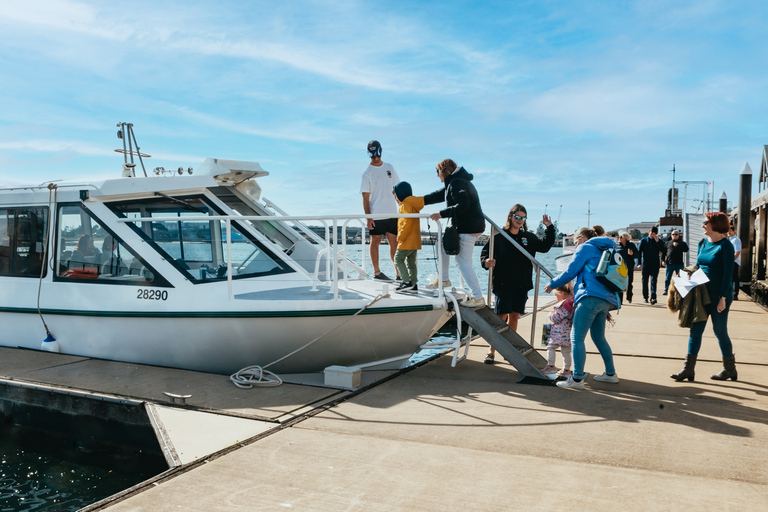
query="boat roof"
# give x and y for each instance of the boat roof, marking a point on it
(212, 172)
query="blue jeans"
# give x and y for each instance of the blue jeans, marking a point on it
(719, 325)
(671, 269)
(590, 315)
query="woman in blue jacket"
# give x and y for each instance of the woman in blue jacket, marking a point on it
(593, 302)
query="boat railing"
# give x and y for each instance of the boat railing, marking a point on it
(537, 266)
(331, 251)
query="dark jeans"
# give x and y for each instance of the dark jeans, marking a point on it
(653, 273)
(719, 325)
(736, 282)
(671, 269)
(630, 278)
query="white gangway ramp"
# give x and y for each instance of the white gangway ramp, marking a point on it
(518, 352)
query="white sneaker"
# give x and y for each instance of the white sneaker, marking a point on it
(613, 379)
(474, 303)
(570, 383)
(433, 285)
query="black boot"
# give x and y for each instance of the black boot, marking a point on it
(728, 371)
(687, 371)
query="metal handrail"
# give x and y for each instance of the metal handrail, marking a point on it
(538, 266)
(332, 277)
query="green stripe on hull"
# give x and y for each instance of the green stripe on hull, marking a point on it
(223, 314)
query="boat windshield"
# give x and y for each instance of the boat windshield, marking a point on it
(198, 247)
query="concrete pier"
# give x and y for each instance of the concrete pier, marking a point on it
(437, 438)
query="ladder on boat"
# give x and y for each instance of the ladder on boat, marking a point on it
(510, 345)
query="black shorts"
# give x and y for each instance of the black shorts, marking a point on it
(510, 301)
(384, 226)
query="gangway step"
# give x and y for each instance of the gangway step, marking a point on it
(512, 347)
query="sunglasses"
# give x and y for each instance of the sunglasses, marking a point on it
(517, 217)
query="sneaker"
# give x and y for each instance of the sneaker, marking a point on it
(565, 373)
(381, 276)
(474, 303)
(570, 383)
(653, 301)
(407, 287)
(488, 358)
(549, 369)
(613, 379)
(433, 285)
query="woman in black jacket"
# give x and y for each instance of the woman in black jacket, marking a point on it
(512, 270)
(628, 251)
(463, 207)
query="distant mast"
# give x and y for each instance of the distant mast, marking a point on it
(673, 216)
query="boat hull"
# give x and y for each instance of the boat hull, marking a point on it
(224, 343)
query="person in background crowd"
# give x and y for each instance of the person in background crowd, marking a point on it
(628, 251)
(649, 261)
(736, 242)
(673, 258)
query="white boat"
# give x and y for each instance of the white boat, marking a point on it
(156, 284)
(569, 247)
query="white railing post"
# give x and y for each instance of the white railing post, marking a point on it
(229, 258)
(491, 253)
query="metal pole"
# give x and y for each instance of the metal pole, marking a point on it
(491, 253)
(535, 306)
(229, 258)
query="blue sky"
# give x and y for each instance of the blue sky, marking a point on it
(545, 102)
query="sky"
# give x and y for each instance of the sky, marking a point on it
(562, 106)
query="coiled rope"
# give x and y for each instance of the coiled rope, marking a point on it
(259, 375)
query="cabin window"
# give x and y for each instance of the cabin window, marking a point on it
(88, 251)
(196, 246)
(22, 236)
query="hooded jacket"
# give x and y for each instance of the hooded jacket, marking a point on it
(463, 203)
(587, 285)
(408, 232)
(513, 270)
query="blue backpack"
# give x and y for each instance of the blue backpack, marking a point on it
(612, 271)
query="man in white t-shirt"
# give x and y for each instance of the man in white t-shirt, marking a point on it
(378, 182)
(736, 241)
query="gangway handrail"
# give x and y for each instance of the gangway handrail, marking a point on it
(331, 277)
(538, 266)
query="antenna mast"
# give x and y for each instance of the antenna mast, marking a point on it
(126, 133)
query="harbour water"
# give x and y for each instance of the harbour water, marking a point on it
(41, 472)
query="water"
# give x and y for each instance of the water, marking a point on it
(41, 472)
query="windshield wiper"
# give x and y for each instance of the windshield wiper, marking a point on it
(182, 202)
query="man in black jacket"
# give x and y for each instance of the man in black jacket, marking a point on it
(649, 261)
(673, 259)
(463, 207)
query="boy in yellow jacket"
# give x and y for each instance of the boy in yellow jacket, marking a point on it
(408, 237)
